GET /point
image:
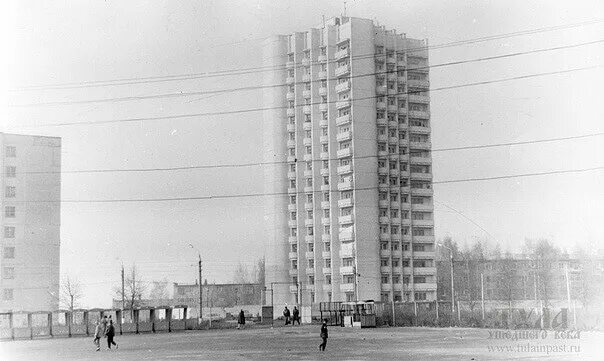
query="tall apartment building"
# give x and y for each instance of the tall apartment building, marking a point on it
(347, 142)
(30, 216)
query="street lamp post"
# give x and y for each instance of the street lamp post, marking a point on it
(452, 278)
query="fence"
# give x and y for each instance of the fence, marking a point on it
(81, 322)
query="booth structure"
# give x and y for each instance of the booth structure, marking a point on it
(359, 314)
(80, 322)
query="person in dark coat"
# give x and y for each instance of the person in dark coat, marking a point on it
(295, 316)
(286, 314)
(110, 333)
(104, 323)
(324, 335)
(241, 320)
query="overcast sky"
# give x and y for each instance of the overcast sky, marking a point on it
(79, 41)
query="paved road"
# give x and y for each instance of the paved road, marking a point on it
(301, 343)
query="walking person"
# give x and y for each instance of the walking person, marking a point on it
(104, 323)
(296, 316)
(324, 335)
(110, 333)
(286, 314)
(241, 320)
(98, 331)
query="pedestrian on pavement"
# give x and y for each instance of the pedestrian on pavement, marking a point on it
(324, 336)
(110, 333)
(241, 320)
(286, 314)
(104, 324)
(296, 316)
(98, 331)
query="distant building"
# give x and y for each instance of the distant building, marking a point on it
(521, 279)
(225, 295)
(31, 209)
(348, 150)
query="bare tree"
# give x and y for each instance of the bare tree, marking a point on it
(241, 274)
(71, 293)
(134, 288)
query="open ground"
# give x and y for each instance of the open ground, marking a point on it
(301, 343)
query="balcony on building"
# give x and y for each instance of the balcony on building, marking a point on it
(422, 176)
(289, 80)
(418, 98)
(322, 90)
(394, 172)
(393, 124)
(343, 153)
(415, 83)
(419, 129)
(325, 204)
(309, 206)
(424, 286)
(344, 86)
(392, 108)
(423, 222)
(292, 207)
(305, 61)
(420, 160)
(322, 74)
(325, 187)
(306, 93)
(325, 172)
(290, 95)
(322, 58)
(346, 252)
(341, 120)
(346, 287)
(307, 157)
(421, 145)
(306, 78)
(309, 254)
(423, 239)
(422, 191)
(323, 122)
(341, 54)
(345, 186)
(344, 136)
(380, 105)
(306, 109)
(382, 153)
(344, 169)
(424, 255)
(291, 127)
(293, 255)
(307, 141)
(382, 138)
(422, 114)
(325, 238)
(291, 112)
(292, 223)
(310, 271)
(402, 110)
(327, 271)
(347, 270)
(293, 288)
(344, 203)
(384, 219)
(293, 272)
(326, 221)
(383, 203)
(340, 104)
(324, 155)
(380, 89)
(323, 107)
(342, 70)
(346, 235)
(382, 170)
(392, 76)
(326, 254)
(385, 253)
(289, 64)
(324, 139)
(291, 190)
(386, 287)
(292, 239)
(385, 269)
(345, 219)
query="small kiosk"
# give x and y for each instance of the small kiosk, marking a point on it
(359, 314)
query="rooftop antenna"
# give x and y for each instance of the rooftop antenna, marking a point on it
(344, 8)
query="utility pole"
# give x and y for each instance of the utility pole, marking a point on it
(568, 294)
(482, 293)
(200, 290)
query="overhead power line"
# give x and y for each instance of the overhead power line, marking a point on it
(242, 71)
(270, 86)
(301, 192)
(253, 164)
(250, 110)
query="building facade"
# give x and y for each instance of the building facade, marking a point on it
(30, 197)
(349, 208)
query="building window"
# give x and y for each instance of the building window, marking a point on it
(9, 252)
(420, 296)
(311, 280)
(9, 212)
(7, 294)
(311, 263)
(385, 279)
(327, 262)
(385, 296)
(311, 247)
(10, 192)
(11, 151)
(384, 262)
(11, 171)
(328, 279)
(293, 232)
(9, 232)
(327, 246)
(294, 264)
(8, 273)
